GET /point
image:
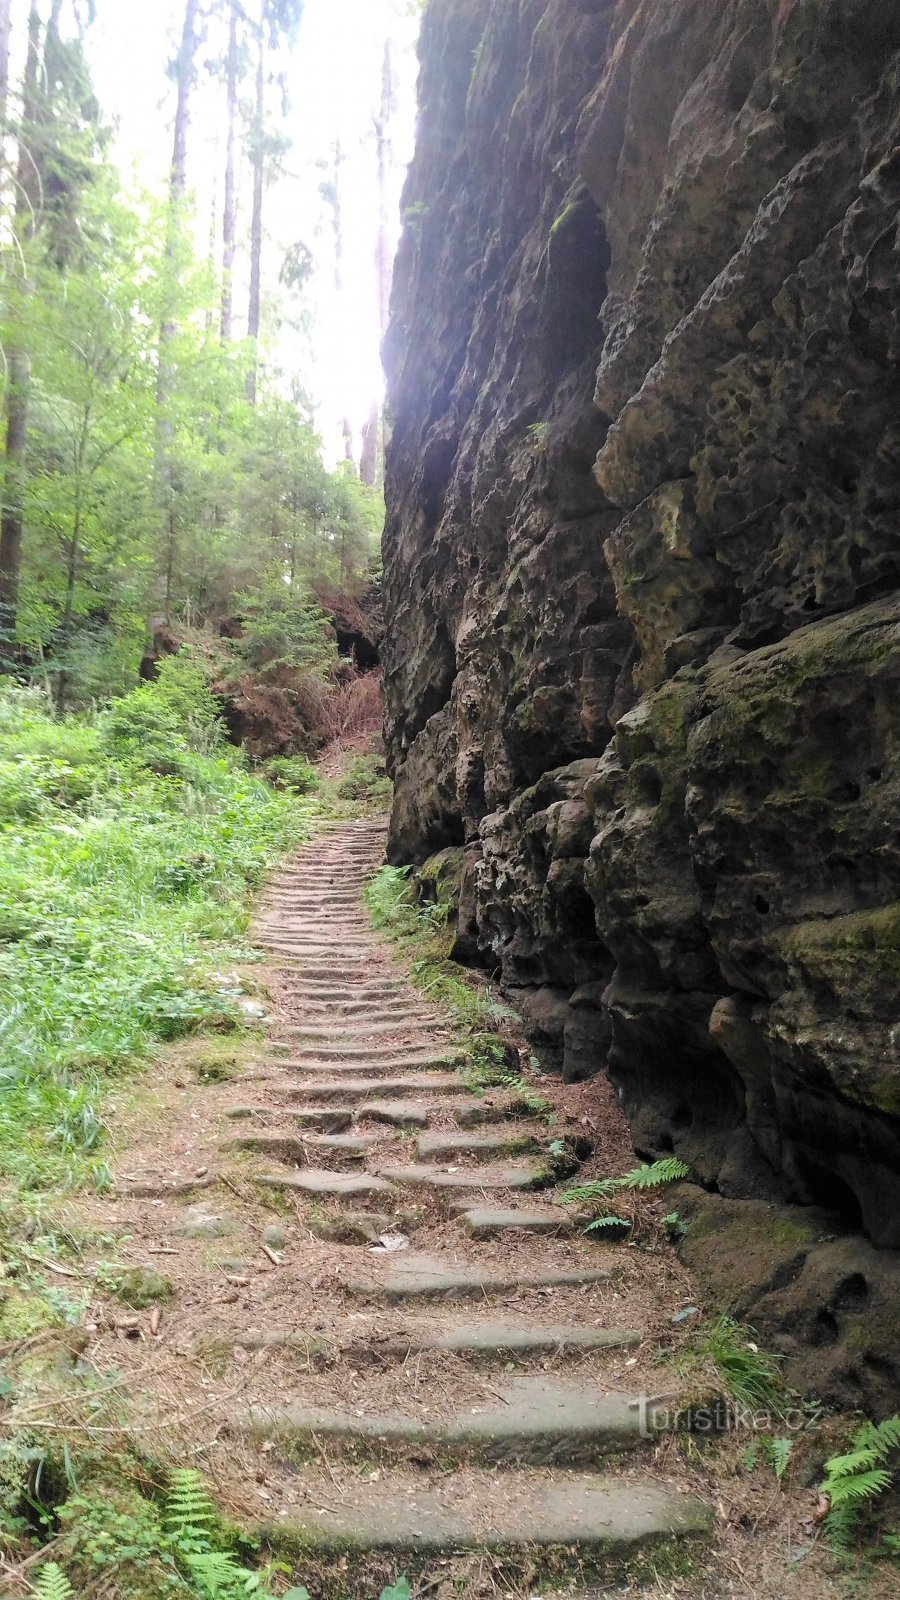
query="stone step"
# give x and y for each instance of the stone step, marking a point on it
(353, 1146)
(349, 994)
(292, 1035)
(397, 1113)
(277, 1146)
(501, 1141)
(539, 1420)
(327, 1119)
(488, 1107)
(356, 1030)
(363, 1068)
(325, 1185)
(397, 1021)
(430, 1278)
(513, 1175)
(500, 1339)
(486, 1222)
(576, 1517)
(350, 1087)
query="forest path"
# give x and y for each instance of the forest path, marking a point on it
(458, 1394)
(355, 1301)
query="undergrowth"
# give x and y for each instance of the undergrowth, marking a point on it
(424, 937)
(130, 841)
(857, 1478)
(649, 1175)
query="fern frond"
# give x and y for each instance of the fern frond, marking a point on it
(189, 1512)
(882, 1437)
(216, 1574)
(606, 1222)
(599, 1190)
(861, 1487)
(839, 1526)
(651, 1175)
(52, 1584)
(778, 1454)
(854, 1461)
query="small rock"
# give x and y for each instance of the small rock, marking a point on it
(140, 1287)
(274, 1237)
(198, 1223)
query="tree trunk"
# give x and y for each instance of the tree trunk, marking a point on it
(5, 29)
(18, 373)
(184, 77)
(370, 466)
(256, 225)
(229, 212)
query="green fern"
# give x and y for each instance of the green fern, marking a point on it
(216, 1574)
(606, 1222)
(651, 1175)
(52, 1584)
(189, 1516)
(858, 1475)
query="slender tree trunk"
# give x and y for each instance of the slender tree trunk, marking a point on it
(5, 30)
(229, 210)
(18, 371)
(184, 75)
(337, 223)
(370, 467)
(256, 225)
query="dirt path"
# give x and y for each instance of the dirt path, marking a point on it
(386, 1341)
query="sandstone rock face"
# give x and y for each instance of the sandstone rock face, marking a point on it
(643, 560)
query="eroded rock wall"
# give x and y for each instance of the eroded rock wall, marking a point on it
(643, 560)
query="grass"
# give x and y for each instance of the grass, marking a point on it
(127, 864)
(425, 938)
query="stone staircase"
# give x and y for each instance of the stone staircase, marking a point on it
(365, 1120)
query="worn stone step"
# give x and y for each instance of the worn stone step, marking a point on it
(277, 1146)
(352, 1146)
(397, 1113)
(430, 1278)
(487, 1222)
(357, 1030)
(327, 1119)
(352, 1087)
(326, 1185)
(543, 1421)
(351, 991)
(500, 1141)
(488, 1107)
(512, 1175)
(290, 1042)
(505, 1338)
(397, 1020)
(576, 1516)
(355, 1069)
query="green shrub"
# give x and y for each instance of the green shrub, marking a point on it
(366, 780)
(120, 899)
(294, 773)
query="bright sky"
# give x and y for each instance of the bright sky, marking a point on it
(334, 83)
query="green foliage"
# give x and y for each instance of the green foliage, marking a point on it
(294, 773)
(366, 780)
(858, 1476)
(123, 893)
(647, 1176)
(52, 1584)
(775, 1452)
(748, 1375)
